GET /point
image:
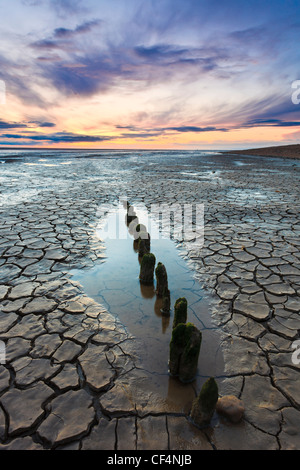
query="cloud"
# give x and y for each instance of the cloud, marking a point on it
(11, 125)
(80, 29)
(43, 124)
(85, 73)
(192, 66)
(145, 133)
(23, 125)
(203, 59)
(61, 38)
(70, 7)
(270, 123)
(195, 129)
(45, 44)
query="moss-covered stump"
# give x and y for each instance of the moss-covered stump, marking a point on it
(184, 351)
(204, 405)
(144, 243)
(180, 311)
(176, 348)
(166, 302)
(147, 268)
(161, 279)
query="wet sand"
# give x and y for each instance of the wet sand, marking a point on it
(282, 151)
(65, 351)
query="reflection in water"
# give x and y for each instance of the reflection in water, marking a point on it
(147, 290)
(115, 284)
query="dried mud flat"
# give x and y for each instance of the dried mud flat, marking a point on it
(71, 379)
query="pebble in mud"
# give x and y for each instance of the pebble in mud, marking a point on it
(249, 262)
(230, 407)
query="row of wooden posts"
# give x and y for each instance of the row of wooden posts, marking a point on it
(186, 339)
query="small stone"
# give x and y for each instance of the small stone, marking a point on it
(230, 407)
(204, 405)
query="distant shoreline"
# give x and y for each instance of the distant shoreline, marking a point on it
(283, 151)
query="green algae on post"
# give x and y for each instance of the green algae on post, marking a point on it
(180, 311)
(204, 405)
(184, 351)
(147, 268)
(161, 279)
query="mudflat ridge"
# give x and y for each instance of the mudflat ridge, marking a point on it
(285, 151)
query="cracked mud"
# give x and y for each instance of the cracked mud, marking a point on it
(72, 377)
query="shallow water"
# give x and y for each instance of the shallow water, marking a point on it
(115, 284)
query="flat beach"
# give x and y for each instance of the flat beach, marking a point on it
(73, 377)
(282, 151)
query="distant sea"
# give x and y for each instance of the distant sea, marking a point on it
(11, 155)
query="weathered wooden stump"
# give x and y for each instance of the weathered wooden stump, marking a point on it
(204, 405)
(180, 311)
(144, 243)
(184, 351)
(161, 279)
(147, 268)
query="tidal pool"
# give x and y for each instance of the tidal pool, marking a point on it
(115, 284)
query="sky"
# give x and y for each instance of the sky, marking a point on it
(149, 74)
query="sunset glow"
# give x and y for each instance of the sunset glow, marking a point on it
(149, 74)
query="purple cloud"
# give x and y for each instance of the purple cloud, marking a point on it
(80, 29)
(58, 137)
